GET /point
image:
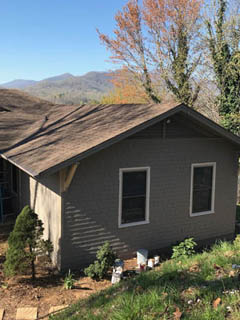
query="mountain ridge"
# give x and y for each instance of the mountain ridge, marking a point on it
(66, 88)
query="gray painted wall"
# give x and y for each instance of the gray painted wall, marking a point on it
(44, 197)
(91, 204)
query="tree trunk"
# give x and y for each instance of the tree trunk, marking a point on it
(32, 264)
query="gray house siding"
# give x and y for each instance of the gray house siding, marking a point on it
(178, 126)
(24, 189)
(43, 195)
(90, 214)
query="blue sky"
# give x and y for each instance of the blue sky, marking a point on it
(43, 38)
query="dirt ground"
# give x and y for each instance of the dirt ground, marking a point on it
(46, 291)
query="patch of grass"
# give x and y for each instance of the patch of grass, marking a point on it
(190, 285)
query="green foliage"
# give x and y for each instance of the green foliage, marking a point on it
(184, 249)
(231, 122)
(25, 244)
(69, 281)
(105, 259)
(236, 242)
(182, 70)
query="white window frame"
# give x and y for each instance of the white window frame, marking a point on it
(121, 171)
(197, 165)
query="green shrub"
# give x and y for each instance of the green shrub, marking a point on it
(105, 260)
(236, 242)
(184, 248)
(69, 281)
(25, 243)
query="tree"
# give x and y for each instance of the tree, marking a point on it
(223, 43)
(158, 38)
(25, 244)
(126, 89)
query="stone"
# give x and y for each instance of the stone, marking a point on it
(26, 314)
(1, 314)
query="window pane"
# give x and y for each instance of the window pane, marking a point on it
(134, 183)
(133, 209)
(202, 201)
(202, 189)
(203, 177)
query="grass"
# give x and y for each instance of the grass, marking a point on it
(179, 289)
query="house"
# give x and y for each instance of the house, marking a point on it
(139, 176)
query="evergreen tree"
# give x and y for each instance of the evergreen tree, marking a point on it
(25, 244)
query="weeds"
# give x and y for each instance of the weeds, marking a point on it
(69, 281)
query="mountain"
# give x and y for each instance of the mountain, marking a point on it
(18, 84)
(66, 88)
(60, 77)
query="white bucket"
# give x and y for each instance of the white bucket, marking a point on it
(150, 263)
(156, 260)
(116, 277)
(142, 256)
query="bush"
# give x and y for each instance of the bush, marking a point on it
(236, 242)
(69, 281)
(25, 244)
(105, 260)
(184, 249)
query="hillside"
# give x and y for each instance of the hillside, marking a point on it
(18, 84)
(204, 286)
(66, 88)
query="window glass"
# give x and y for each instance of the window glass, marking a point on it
(202, 189)
(133, 196)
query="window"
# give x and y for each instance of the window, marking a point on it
(134, 189)
(202, 188)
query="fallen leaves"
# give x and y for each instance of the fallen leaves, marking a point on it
(194, 268)
(231, 274)
(177, 314)
(216, 303)
(189, 292)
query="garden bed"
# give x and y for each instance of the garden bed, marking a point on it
(48, 289)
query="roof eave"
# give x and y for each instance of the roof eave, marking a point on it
(32, 174)
(178, 108)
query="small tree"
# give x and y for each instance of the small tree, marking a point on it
(25, 244)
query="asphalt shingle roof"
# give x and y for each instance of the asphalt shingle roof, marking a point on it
(40, 138)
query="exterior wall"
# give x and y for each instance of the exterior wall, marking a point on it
(45, 200)
(91, 204)
(24, 189)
